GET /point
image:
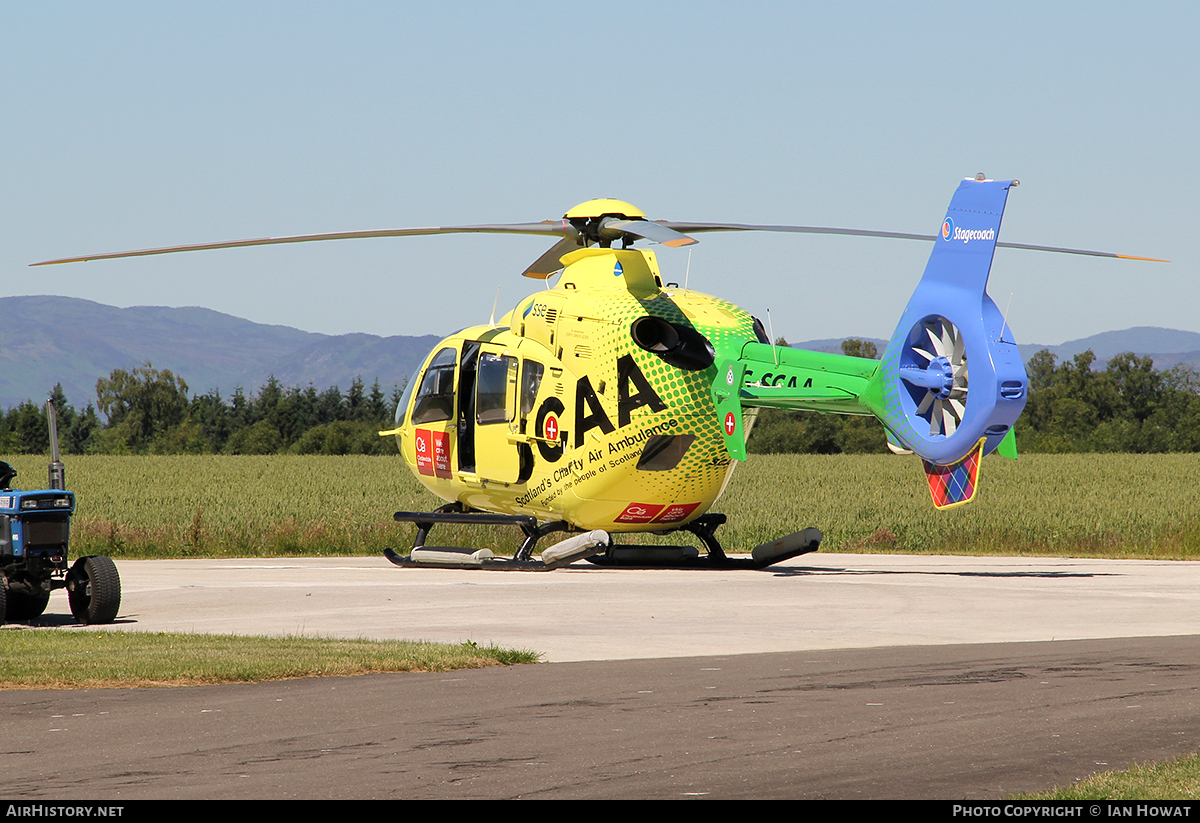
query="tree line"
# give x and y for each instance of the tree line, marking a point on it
(1129, 406)
(149, 411)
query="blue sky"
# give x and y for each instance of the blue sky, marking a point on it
(129, 125)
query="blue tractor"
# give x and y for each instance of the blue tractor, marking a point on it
(35, 532)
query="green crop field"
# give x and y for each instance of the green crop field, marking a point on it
(1092, 505)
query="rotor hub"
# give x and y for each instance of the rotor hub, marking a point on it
(934, 365)
(937, 377)
(602, 221)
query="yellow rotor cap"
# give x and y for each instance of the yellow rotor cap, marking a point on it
(604, 205)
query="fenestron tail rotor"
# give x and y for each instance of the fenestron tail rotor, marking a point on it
(944, 377)
(950, 379)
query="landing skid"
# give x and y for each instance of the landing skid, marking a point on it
(687, 557)
(454, 557)
(595, 546)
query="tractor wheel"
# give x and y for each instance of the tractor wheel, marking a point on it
(94, 589)
(26, 606)
(3, 598)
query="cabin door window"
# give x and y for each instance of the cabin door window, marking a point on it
(495, 415)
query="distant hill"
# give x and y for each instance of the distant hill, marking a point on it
(1165, 346)
(834, 344)
(47, 340)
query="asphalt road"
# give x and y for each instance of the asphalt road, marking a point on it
(971, 722)
(819, 601)
(778, 705)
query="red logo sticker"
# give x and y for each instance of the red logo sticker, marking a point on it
(424, 448)
(550, 429)
(433, 453)
(730, 423)
(676, 512)
(638, 513)
(441, 454)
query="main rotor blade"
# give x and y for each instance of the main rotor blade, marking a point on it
(695, 228)
(654, 232)
(1079, 251)
(560, 228)
(549, 263)
(667, 232)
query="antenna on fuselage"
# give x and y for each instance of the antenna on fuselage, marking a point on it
(774, 351)
(1004, 318)
(496, 302)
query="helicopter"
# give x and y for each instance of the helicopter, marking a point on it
(611, 402)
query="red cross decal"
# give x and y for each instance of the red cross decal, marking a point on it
(730, 423)
(551, 427)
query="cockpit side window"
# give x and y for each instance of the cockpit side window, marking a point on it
(406, 397)
(435, 398)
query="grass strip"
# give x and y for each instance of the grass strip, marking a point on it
(1068, 505)
(57, 659)
(1177, 779)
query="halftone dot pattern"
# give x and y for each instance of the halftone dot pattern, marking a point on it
(893, 409)
(701, 473)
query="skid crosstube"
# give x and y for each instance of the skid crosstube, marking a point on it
(457, 513)
(457, 557)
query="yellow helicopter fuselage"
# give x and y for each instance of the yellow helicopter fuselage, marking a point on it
(558, 413)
